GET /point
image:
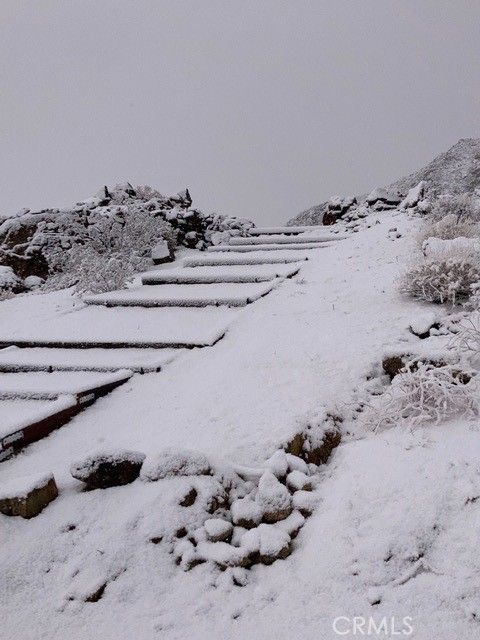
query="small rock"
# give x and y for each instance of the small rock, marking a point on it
(171, 462)
(267, 542)
(27, 497)
(292, 524)
(296, 481)
(273, 498)
(33, 282)
(278, 464)
(296, 464)
(189, 498)
(108, 469)
(218, 530)
(305, 502)
(224, 554)
(246, 513)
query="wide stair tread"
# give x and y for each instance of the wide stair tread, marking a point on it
(44, 359)
(236, 295)
(256, 258)
(215, 275)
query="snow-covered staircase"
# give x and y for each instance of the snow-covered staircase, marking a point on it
(61, 366)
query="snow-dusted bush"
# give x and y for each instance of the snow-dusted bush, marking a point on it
(105, 255)
(425, 393)
(440, 281)
(449, 227)
(466, 249)
(463, 207)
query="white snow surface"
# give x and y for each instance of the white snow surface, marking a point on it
(397, 512)
(228, 273)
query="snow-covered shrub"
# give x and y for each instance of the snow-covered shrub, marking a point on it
(440, 281)
(449, 227)
(463, 207)
(9, 283)
(425, 393)
(107, 254)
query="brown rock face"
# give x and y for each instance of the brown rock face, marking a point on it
(31, 503)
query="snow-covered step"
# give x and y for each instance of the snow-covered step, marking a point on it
(252, 259)
(188, 295)
(85, 386)
(25, 421)
(268, 247)
(260, 231)
(213, 275)
(44, 359)
(15, 412)
(274, 239)
(100, 327)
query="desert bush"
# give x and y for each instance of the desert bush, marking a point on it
(448, 228)
(107, 253)
(450, 280)
(464, 207)
(426, 393)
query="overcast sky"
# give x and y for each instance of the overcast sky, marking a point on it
(261, 107)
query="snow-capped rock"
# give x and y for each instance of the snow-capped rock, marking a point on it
(104, 469)
(273, 497)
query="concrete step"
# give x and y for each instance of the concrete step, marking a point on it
(13, 359)
(268, 247)
(215, 275)
(98, 327)
(252, 259)
(260, 231)
(188, 295)
(304, 239)
(85, 386)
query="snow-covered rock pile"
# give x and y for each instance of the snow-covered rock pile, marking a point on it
(28, 240)
(232, 517)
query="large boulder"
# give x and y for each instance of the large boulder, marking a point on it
(102, 470)
(27, 497)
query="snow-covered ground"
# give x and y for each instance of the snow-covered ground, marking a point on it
(396, 529)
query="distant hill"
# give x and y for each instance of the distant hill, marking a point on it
(454, 171)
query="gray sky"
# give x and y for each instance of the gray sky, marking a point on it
(262, 108)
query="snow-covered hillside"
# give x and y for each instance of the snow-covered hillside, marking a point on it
(454, 171)
(387, 527)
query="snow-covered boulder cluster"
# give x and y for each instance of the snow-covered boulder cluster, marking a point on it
(230, 516)
(32, 241)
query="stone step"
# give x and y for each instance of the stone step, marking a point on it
(236, 241)
(260, 231)
(188, 295)
(43, 359)
(124, 328)
(268, 247)
(253, 259)
(215, 275)
(85, 386)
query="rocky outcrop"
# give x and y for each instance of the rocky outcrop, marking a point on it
(28, 239)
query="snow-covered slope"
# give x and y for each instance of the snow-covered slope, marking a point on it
(395, 531)
(454, 171)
